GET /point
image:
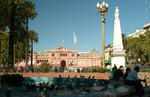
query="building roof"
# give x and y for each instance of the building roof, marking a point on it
(60, 48)
(94, 51)
(140, 31)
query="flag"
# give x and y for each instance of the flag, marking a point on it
(74, 38)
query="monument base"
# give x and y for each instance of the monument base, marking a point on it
(118, 61)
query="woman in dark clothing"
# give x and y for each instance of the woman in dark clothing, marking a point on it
(128, 70)
(118, 74)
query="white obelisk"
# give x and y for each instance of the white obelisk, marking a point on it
(118, 53)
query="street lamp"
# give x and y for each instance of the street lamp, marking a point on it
(102, 8)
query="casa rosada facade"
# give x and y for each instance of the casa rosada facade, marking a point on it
(66, 57)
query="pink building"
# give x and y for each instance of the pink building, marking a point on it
(66, 57)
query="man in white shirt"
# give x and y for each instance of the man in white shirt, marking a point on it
(132, 79)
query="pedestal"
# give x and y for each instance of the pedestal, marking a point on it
(118, 59)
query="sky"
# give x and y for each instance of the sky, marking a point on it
(58, 20)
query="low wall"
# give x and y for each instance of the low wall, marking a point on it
(142, 75)
(65, 75)
(145, 75)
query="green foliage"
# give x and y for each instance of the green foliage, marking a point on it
(102, 70)
(88, 70)
(4, 52)
(11, 80)
(14, 20)
(124, 40)
(19, 52)
(45, 67)
(139, 47)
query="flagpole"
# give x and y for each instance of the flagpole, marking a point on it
(63, 42)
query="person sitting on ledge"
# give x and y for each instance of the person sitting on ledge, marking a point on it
(60, 76)
(113, 70)
(133, 80)
(128, 70)
(118, 74)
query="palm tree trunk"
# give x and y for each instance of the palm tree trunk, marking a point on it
(11, 37)
(32, 55)
(14, 52)
(26, 44)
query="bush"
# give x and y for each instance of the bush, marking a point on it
(11, 80)
(45, 67)
(102, 70)
(88, 70)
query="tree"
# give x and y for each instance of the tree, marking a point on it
(4, 53)
(3, 36)
(7, 12)
(29, 12)
(138, 47)
(14, 16)
(33, 38)
(45, 67)
(124, 40)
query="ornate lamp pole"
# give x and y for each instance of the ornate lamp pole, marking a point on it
(102, 9)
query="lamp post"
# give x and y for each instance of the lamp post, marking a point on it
(102, 8)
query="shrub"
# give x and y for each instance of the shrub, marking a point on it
(88, 70)
(45, 67)
(11, 80)
(102, 70)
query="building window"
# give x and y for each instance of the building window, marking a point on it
(73, 61)
(93, 61)
(53, 55)
(57, 62)
(53, 62)
(63, 55)
(73, 55)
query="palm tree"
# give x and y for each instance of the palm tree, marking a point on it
(5, 14)
(29, 12)
(11, 35)
(33, 38)
(9, 19)
(14, 14)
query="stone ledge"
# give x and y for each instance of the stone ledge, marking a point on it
(65, 75)
(121, 91)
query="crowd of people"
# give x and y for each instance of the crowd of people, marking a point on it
(129, 78)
